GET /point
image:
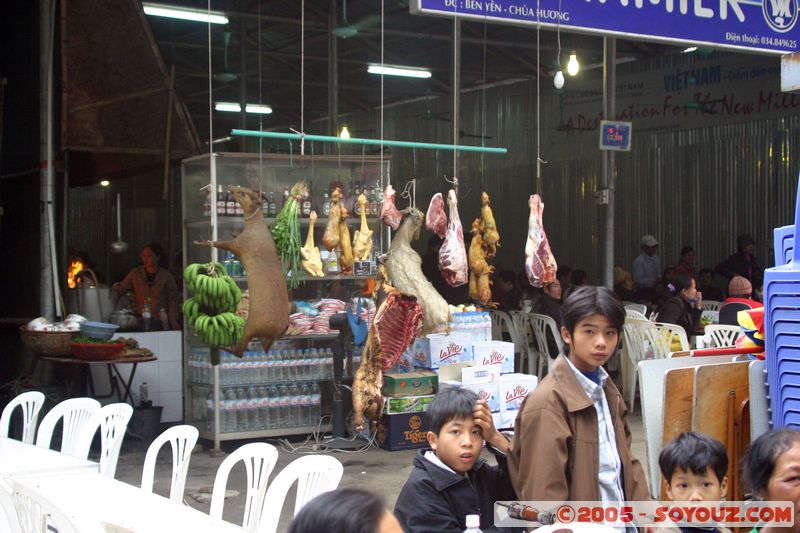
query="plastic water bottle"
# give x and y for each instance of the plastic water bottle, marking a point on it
(282, 365)
(225, 369)
(210, 411)
(313, 361)
(294, 406)
(241, 409)
(283, 411)
(253, 422)
(328, 364)
(316, 403)
(228, 418)
(274, 408)
(305, 405)
(262, 400)
(473, 524)
(263, 370)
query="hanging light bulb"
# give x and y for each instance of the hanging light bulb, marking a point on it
(345, 134)
(558, 79)
(573, 66)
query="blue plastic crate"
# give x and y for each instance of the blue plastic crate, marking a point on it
(783, 247)
(782, 326)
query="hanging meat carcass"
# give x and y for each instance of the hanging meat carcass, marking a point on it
(389, 213)
(489, 233)
(435, 219)
(540, 265)
(453, 254)
(404, 267)
(479, 270)
(346, 258)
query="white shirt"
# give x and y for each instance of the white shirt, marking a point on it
(646, 270)
(610, 463)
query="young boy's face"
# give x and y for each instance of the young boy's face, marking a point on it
(458, 443)
(592, 343)
(691, 487)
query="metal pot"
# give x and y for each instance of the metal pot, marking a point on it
(125, 319)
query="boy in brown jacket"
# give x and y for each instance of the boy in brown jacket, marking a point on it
(571, 439)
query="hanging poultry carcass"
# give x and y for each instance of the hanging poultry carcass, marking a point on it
(489, 233)
(479, 270)
(540, 265)
(452, 253)
(389, 213)
(312, 262)
(330, 239)
(346, 258)
(362, 240)
(435, 218)
(404, 266)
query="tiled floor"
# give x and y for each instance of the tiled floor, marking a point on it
(375, 470)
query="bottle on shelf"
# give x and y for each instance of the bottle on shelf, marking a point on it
(305, 405)
(262, 399)
(356, 206)
(378, 195)
(326, 205)
(146, 322)
(238, 208)
(305, 206)
(241, 410)
(316, 403)
(228, 414)
(210, 411)
(274, 408)
(273, 207)
(264, 204)
(220, 202)
(253, 412)
(230, 205)
(285, 196)
(283, 411)
(162, 316)
(374, 210)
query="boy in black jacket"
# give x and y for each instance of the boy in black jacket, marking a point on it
(450, 480)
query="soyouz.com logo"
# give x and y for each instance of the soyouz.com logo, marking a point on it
(781, 15)
(646, 513)
(453, 350)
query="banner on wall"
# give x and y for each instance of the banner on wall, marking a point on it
(764, 26)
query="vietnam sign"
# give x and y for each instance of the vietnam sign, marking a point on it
(766, 26)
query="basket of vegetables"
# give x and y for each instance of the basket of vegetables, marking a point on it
(91, 349)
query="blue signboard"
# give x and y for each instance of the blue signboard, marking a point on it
(615, 135)
(767, 26)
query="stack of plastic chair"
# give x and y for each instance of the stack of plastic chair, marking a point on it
(75, 414)
(259, 459)
(30, 403)
(541, 325)
(784, 244)
(314, 475)
(641, 340)
(782, 335)
(521, 321)
(182, 440)
(502, 322)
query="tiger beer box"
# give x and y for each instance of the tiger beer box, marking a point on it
(403, 431)
(439, 349)
(498, 353)
(419, 383)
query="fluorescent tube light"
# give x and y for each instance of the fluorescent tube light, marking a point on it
(409, 72)
(690, 49)
(233, 107)
(184, 13)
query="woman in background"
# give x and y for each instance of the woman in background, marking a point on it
(153, 288)
(684, 307)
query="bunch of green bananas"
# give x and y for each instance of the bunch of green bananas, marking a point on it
(211, 308)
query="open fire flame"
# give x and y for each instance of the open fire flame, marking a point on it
(75, 268)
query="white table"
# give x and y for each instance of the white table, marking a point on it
(119, 504)
(18, 458)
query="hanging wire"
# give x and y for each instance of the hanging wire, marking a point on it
(260, 102)
(456, 89)
(538, 101)
(210, 95)
(302, 75)
(483, 101)
(383, 19)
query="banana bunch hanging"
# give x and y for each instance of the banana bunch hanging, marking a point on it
(211, 310)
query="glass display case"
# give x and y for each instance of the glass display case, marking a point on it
(287, 390)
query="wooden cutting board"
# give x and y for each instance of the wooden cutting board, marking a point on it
(679, 396)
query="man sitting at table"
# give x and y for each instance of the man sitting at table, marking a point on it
(740, 293)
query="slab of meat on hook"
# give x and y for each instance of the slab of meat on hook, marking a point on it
(435, 218)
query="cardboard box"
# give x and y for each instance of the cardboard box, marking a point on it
(504, 419)
(403, 431)
(479, 374)
(439, 349)
(499, 353)
(489, 391)
(514, 388)
(411, 384)
(409, 404)
(405, 364)
(477, 324)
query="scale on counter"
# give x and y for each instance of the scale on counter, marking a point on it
(615, 135)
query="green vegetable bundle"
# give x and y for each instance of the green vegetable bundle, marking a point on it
(286, 233)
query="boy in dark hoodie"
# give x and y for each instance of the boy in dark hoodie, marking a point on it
(450, 480)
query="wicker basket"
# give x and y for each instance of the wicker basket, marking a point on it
(47, 343)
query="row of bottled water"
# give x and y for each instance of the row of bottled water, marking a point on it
(257, 366)
(259, 407)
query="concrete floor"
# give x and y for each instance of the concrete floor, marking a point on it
(376, 470)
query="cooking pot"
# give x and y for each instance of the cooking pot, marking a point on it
(125, 319)
(94, 301)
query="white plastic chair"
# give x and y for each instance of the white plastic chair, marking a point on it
(315, 474)
(710, 305)
(112, 420)
(639, 308)
(667, 335)
(632, 313)
(521, 322)
(640, 335)
(541, 325)
(502, 321)
(31, 403)
(723, 335)
(259, 459)
(182, 440)
(35, 513)
(75, 413)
